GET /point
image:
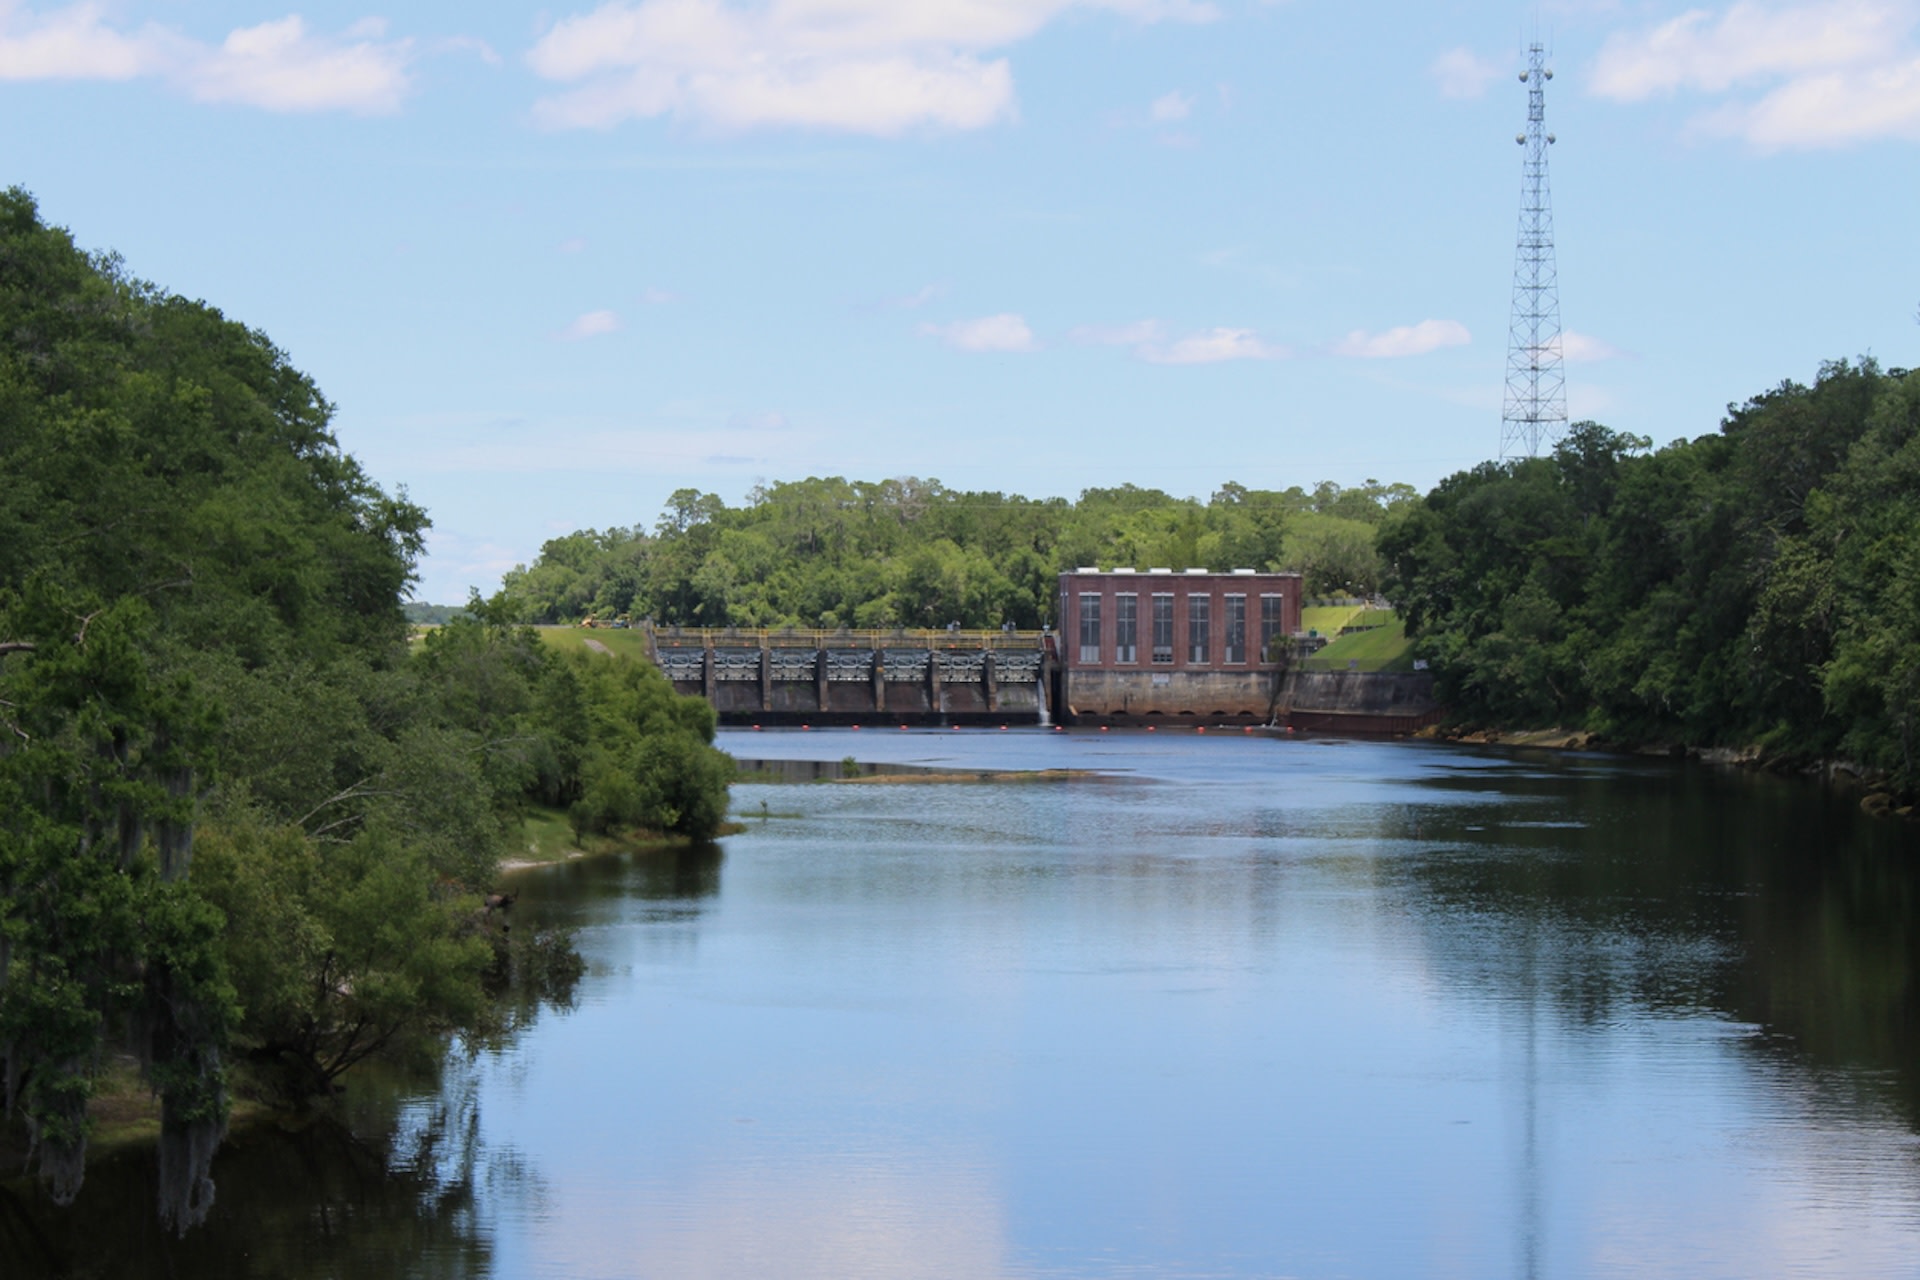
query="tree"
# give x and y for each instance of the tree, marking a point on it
(1751, 586)
(98, 925)
(648, 762)
(177, 523)
(340, 950)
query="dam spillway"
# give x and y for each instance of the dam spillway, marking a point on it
(794, 675)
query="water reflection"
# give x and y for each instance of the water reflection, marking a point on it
(568, 892)
(1233, 1008)
(1678, 891)
(1679, 997)
(389, 1195)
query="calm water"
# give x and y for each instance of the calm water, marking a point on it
(1237, 1007)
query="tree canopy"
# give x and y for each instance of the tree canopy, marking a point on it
(912, 553)
(1759, 586)
(241, 819)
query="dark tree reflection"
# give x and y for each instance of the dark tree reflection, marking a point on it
(1760, 900)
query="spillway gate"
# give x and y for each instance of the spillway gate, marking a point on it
(799, 676)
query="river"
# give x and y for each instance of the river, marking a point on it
(1219, 1006)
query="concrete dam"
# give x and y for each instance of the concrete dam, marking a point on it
(794, 676)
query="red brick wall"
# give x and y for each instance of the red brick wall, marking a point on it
(1216, 587)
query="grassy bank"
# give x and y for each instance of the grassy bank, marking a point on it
(1384, 647)
(624, 643)
(546, 837)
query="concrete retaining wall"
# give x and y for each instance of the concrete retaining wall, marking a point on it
(1108, 695)
(1357, 701)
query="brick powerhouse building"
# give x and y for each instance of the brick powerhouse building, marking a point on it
(1160, 643)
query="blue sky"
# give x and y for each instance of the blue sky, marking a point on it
(553, 264)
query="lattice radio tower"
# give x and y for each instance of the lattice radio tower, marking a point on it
(1536, 402)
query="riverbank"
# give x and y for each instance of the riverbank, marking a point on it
(979, 775)
(547, 839)
(1877, 797)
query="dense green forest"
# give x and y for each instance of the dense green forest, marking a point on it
(245, 826)
(913, 553)
(1756, 587)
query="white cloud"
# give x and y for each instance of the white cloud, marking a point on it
(1169, 107)
(1139, 333)
(1212, 347)
(278, 65)
(591, 325)
(1580, 348)
(1827, 110)
(74, 44)
(769, 421)
(1748, 42)
(468, 44)
(573, 244)
(860, 66)
(1828, 73)
(656, 297)
(1462, 73)
(1406, 340)
(1004, 332)
(282, 67)
(1147, 340)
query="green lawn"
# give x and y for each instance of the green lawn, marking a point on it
(1385, 648)
(631, 643)
(1328, 619)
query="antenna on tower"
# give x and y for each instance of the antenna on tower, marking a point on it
(1535, 409)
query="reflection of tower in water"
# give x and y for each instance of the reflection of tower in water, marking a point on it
(1528, 1208)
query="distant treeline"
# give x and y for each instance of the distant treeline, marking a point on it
(433, 615)
(913, 553)
(245, 828)
(1755, 587)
